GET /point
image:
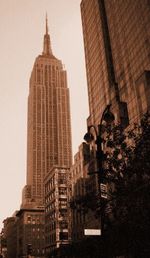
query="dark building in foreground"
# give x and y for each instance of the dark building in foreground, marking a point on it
(117, 54)
(79, 182)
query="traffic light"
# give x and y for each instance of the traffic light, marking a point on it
(29, 248)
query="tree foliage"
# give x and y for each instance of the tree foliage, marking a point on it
(127, 169)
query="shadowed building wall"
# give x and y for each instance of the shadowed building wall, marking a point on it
(117, 53)
(116, 37)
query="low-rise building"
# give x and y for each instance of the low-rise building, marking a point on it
(30, 231)
(57, 213)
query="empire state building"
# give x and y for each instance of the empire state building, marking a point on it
(49, 129)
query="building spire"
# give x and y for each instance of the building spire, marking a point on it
(46, 24)
(47, 43)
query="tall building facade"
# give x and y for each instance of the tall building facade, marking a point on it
(42, 225)
(116, 37)
(49, 153)
(49, 130)
(117, 53)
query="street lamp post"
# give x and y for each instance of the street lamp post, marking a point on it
(108, 117)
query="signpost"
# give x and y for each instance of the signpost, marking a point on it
(103, 191)
(92, 232)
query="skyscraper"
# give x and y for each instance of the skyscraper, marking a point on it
(49, 130)
(117, 53)
(116, 37)
(43, 222)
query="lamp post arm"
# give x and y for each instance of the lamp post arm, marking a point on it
(107, 108)
(95, 130)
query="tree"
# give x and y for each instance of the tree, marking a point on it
(126, 172)
(127, 169)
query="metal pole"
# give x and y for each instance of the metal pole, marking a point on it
(99, 157)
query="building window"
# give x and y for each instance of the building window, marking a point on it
(63, 235)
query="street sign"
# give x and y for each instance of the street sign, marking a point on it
(103, 191)
(92, 232)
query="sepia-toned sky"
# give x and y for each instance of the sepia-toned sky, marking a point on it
(22, 26)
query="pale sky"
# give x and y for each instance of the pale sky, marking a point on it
(22, 27)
